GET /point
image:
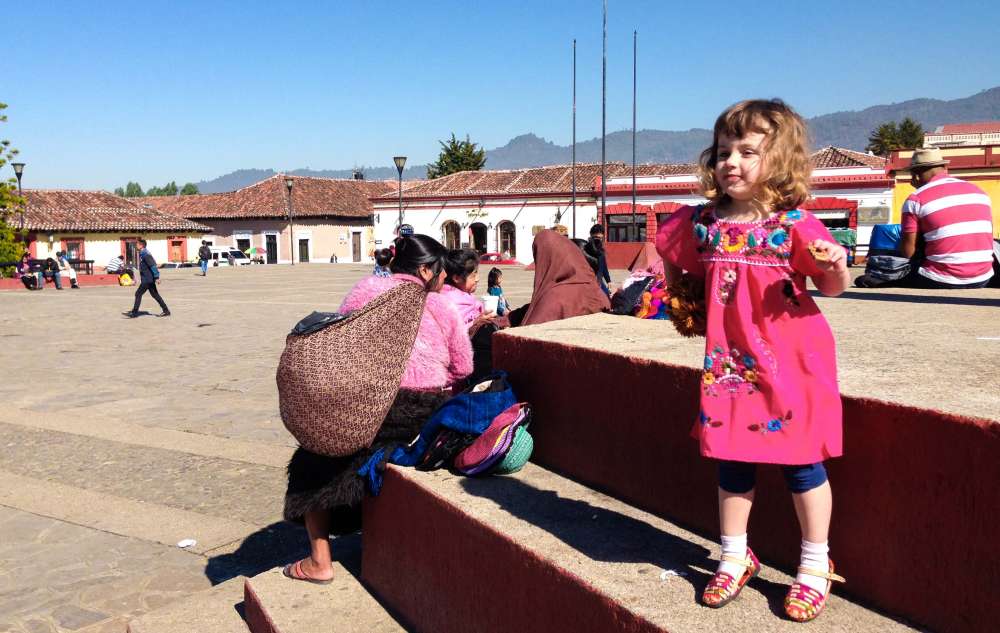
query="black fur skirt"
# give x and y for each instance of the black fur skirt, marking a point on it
(317, 482)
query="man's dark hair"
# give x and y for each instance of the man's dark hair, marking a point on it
(597, 229)
(143, 242)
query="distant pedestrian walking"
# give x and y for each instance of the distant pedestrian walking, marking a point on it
(149, 277)
(204, 254)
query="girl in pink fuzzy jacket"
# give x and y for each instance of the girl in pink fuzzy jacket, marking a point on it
(325, 492)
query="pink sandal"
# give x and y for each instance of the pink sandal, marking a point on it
(294, 571)
(723, 588)
(803, 603)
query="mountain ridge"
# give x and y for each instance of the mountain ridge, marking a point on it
(848, 129)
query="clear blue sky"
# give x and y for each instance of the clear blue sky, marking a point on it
(105, 92)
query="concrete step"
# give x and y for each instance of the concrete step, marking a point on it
(275, 604)
(902, 485)
(217, 610)
(538, 552)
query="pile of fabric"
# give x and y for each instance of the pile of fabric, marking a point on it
(481, 431)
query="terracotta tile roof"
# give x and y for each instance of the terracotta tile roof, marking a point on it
(311, 197)
(94, 211)
(832, 157)
(534, 180)
(982, 127)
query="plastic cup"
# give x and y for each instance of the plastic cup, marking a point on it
(490, 303)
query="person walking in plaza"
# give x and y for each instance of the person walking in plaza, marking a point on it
(947, 230)
(325, 493)
(66, 267)
(204, 255)
(149, 277)
(769, 390)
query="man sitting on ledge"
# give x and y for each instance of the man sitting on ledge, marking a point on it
(953, 220)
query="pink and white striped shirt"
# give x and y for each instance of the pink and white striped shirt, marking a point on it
(956, 221)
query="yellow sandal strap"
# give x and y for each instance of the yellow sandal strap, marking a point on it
(820, 573)
(745, 562)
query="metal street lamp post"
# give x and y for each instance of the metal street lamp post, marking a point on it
(291, 218)
(400, 163)
(18, 170)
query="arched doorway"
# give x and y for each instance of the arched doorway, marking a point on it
(478, 237)
(452, 234)
(507, 239)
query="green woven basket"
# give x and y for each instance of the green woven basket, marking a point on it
(519, 453)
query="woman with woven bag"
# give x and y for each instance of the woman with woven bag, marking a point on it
(324, 492)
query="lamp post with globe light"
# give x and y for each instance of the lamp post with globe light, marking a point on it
(400, 163)
(291, 219)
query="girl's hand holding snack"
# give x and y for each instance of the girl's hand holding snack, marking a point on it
(828, 256)
(831, 259)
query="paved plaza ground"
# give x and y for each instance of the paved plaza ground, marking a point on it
(119, 438)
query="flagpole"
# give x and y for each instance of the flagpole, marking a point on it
(574, 139)
(604, 120)
(634, 231)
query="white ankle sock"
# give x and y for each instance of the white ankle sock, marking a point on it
(735, 546)
(814, 556)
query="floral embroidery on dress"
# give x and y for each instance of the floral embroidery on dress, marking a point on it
(773, 425)
(766, 242)
(724, 292)
(735, 372)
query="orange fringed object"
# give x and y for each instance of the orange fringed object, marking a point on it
(687, 305)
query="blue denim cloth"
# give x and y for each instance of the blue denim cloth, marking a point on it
(741, 477)
(204, 266)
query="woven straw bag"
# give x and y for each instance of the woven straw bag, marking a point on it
(335, 386)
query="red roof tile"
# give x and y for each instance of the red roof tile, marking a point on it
(534, 180)
(982, 127)
(95, 211)
(311, 197)
(833, 157)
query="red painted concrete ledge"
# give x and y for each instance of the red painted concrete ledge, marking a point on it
(916, 493)
(84, 281)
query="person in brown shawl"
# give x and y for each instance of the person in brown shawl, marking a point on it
(565, 284)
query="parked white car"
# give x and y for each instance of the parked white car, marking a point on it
(221, 254)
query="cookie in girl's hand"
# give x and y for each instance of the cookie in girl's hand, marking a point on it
(819, 254)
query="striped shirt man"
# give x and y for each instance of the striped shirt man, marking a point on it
(956, 221)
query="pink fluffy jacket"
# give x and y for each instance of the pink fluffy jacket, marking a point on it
(468, 307)
(442, 352)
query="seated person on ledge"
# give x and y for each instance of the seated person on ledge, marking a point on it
(50, 270)
(117, 267)
(953, 221)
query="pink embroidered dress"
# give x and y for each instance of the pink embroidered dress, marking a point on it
(769, 383)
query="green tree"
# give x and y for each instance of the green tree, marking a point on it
(11, 240)
(189, 189)
(119, 192)
(457, 156)
(911, 134)
(133, 190)
(891, 136)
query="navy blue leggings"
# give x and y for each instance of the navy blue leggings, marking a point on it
(741, 477)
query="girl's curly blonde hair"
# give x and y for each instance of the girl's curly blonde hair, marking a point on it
(784, 152)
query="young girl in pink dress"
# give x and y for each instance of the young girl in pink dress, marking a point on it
(769, 389)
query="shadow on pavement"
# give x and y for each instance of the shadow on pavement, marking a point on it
(948, 299)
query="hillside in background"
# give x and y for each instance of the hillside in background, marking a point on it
(841, 129)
